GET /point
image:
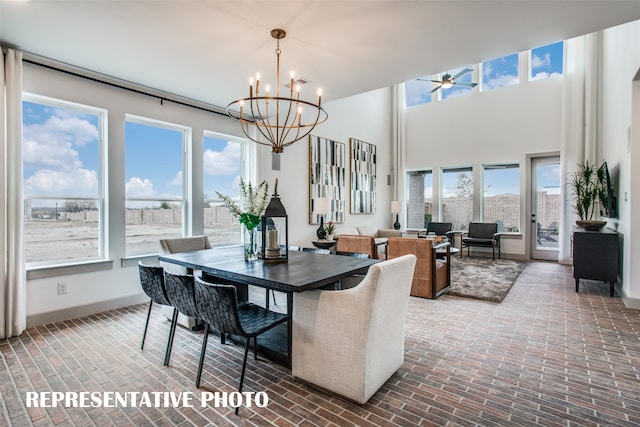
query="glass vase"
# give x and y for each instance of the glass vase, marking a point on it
(250, 244)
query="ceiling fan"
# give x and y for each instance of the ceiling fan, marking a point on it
(448, 80)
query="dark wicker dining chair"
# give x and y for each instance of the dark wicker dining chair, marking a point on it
(181, 293)
(317, 250)
(353, 254)
(152, 282)
(218, 307)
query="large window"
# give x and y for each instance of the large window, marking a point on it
(223, 167)
(419, 199)
(500, 72)
(501, 202)
(457, 197)
(546, 61)
(154, 185)
(63, 181)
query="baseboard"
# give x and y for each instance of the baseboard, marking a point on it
(84, 310)
(628, 301)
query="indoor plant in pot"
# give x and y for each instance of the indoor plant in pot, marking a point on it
(589, 188)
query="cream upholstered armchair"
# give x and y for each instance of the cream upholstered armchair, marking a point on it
(351, 342)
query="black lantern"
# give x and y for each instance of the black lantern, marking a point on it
(274, 245)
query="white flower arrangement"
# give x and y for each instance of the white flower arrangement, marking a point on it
(253, 203)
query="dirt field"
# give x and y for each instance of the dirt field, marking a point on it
(47, 240)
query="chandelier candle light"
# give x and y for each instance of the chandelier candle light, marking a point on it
(281, 121)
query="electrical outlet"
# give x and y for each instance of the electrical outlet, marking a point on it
(62, 288)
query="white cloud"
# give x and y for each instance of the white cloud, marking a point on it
(487, 69)
(500, 81)
(544, 61)
(76, 182)
(225, 162)
(543, 75)
(52, 154)
(137, 187)
(428, 192)
(177, 181)
(49, 148)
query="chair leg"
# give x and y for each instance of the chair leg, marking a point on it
(244, 367)
(202, 353)
(172, 332)
(146, 325)
(273, 294)
(255, 347)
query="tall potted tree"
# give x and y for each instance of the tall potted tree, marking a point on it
(589, 192)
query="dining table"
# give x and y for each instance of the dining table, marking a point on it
(302, 271)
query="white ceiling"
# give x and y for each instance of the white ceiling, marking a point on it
(206, 50)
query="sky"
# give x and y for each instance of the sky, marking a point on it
(61, 157)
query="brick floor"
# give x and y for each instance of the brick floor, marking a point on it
(544, 356)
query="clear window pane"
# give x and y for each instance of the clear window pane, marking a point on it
(61, 230)
(418, 92)
(457, 197)
(546, 61)
(500, 72)
(501, 202)
(153, 186)
(62, 181)
(146, 222)
(222, 171)
(419, 199)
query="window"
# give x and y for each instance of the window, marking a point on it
(500, 72)
(154, 185)
(546, 61)
(223, 161)
(457, 197)
(501, 201)
(63, 173)
(457, 89)
(419, 199)
(418, 91)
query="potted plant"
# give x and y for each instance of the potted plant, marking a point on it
(589, 191)
(330, 229)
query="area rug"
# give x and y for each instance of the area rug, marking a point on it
(483, 278)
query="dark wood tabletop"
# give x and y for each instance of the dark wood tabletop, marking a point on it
(303, 270)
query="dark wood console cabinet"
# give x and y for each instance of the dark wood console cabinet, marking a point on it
(595, 256)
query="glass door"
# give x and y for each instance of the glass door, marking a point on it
(545, 203)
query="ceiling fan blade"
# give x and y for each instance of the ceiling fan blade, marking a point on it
(427, 80)
(465, 84)
(462, 73)
(436, 88)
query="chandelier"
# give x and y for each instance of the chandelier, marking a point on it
(280, 120)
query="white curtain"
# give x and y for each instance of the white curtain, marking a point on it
(579, 123)
(13, 310)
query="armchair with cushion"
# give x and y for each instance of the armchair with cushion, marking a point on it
(482, 234)
(356, 243)
(351, 342)
(439, 229)
(379, 235)
(432, 275)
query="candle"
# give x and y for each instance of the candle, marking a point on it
(272, 239)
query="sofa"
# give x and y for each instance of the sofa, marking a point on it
(380, 235)
(432, 275)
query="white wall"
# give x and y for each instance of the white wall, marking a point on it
(366, 117)
(501, 125)
(620, 65)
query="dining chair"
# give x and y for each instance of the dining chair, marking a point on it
(218, 306)
(317, 251)
(152, 282)
(351, 342)
(181, 293)
(293, 248)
